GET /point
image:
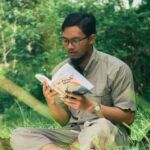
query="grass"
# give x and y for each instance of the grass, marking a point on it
(139, 139)
(19, 115)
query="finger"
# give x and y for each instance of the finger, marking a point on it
(49, 88)
(46, 90)
(71, 95)
(44, 86)
(50, 93)
(54, 93)
(75, 97)
(70, 101)
(71, 104)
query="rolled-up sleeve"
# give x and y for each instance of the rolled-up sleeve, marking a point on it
(122, 89)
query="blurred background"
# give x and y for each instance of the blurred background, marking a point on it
(30, 43)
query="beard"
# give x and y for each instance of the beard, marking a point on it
(75, 62)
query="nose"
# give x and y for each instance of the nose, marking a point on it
(70, 46)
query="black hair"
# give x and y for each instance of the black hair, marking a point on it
(85, 21)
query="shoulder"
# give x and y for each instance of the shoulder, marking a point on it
(109, 59)
(112, 63)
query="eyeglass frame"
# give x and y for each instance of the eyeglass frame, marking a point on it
(71, 41)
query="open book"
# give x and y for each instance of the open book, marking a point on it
(67, 79)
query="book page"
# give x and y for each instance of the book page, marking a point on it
(69, 84)
(42, 78)
(68, 71)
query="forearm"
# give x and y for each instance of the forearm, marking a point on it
(117, 115)
(59, 114)
(113, 114)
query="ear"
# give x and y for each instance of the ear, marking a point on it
(92, 39)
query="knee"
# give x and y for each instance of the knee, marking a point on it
(106, 132)
(98, 132)
(15, 134)
(27, 138)
(106, 126)
(104, 121)
(17, 137)
(100, 128)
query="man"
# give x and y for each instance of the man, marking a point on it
(96, 120)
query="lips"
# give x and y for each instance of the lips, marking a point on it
(72, 54)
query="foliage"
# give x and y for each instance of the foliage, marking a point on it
(30, 43)
(34, 42)
(126, 36)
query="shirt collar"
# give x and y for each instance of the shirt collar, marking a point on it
(91, 63)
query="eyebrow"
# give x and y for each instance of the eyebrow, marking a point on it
(70, 38)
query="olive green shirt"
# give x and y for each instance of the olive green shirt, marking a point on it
(113, 85)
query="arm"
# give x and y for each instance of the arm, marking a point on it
(123, 96)
(57, 112)
(115, 114)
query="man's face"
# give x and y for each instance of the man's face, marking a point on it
(76, 43)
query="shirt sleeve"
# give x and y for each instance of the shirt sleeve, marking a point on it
(122, 89)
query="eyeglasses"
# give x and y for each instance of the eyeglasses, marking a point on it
(74, 41)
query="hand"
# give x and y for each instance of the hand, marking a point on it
(78, 102)
(49, 94)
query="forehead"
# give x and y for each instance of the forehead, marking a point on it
(71, 32)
